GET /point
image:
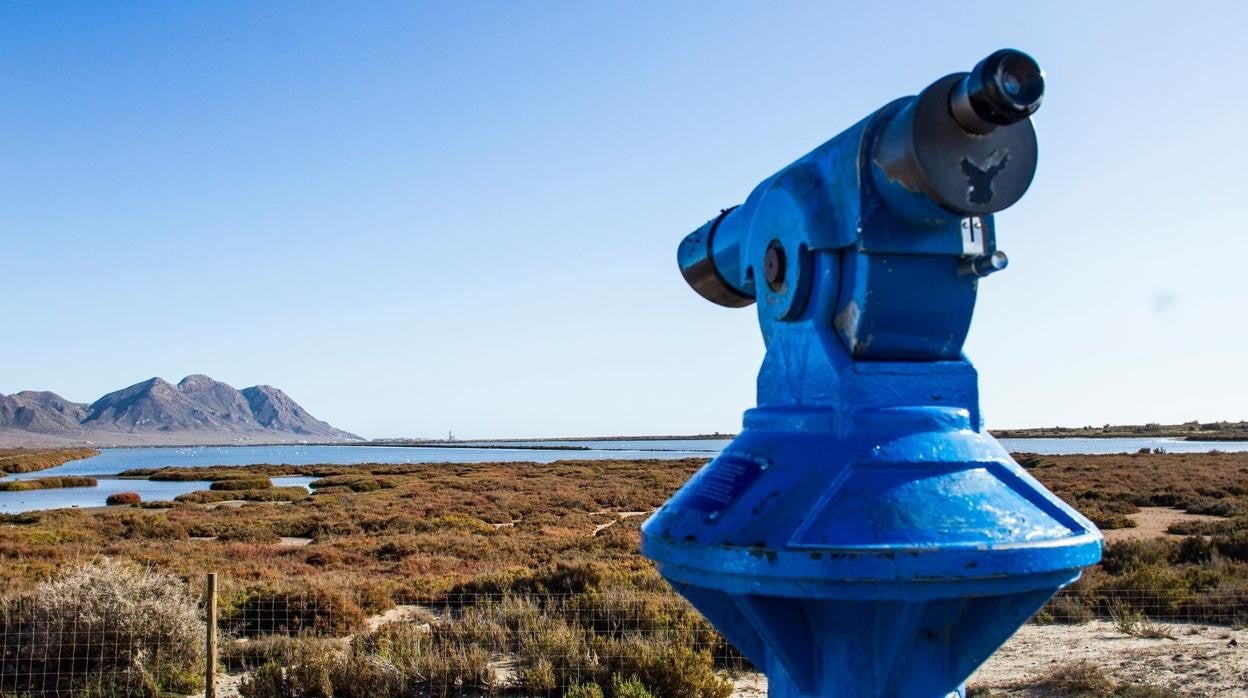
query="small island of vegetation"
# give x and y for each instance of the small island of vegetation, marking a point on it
(1187, 431)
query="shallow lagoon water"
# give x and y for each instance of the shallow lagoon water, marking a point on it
(112, 461)
(84, 497)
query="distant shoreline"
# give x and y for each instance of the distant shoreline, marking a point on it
(1226, 432)
(1184, 432)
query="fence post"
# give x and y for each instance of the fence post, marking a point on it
(210, 662)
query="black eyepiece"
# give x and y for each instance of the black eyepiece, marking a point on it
(1003, 89)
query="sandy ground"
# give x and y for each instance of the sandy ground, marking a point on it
(1199, 661)
(1151, 522)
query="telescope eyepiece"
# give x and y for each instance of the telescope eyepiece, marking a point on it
(1003, 89)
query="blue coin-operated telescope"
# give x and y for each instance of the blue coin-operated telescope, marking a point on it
(864, 536)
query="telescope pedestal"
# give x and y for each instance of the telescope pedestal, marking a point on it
(890, 561)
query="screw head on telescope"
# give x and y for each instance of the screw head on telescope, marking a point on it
(774, 266)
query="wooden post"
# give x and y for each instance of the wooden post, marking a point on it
(210, 663)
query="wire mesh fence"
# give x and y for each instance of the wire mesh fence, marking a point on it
(142, 636)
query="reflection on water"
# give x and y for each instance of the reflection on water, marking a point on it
(114, 460)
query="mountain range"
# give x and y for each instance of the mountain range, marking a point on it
(198, 410)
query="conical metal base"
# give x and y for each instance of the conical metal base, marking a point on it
(892, 563)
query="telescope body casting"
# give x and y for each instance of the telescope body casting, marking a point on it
(863, 535)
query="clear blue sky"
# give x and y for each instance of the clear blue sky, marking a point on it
(421, 217)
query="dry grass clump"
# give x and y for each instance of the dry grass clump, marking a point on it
(1130, 621)
(47, 483)
(105, 626)
(1084, 679)
(24, 460)
(123, 498)
(1081, 678)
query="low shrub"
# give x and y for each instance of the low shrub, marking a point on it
(552, 653)
(628, 688)
(354, 482)
(305, 668)
(447, 664)
(584, 690)
(1195, 550)
(46, 483)
(1081, 678)
(1123, 556)
(1234, 546)
(137, 630)
(246, 532)
(122, 498)
(140, 526)
(273, 494)
(245, 654)
(22, 460)
(1130, 621)
(317, 611)
(251, 482)
(1065, 609)
(401, 659)
(671, 671)
(157, 504)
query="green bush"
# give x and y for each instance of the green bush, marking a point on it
(245, 532)
(139, 526)
(1125, 555)
(584, 690)
(671, 671)
(268, 681)
(354, 481)
(628, 688)
(249, 482)
(317, 611)
(274, 494)
(1195, 550)
(1065, 609)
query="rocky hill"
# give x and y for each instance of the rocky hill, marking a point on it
(198, 410)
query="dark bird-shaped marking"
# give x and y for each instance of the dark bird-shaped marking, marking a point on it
(979, 179)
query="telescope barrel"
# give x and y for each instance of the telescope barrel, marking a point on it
(965, 145)
(962, 148)
(709, 263)
(1003, 89)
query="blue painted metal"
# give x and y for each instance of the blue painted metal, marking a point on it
(863, 535)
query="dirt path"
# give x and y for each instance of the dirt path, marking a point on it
(1152, 522)
(402, 613)
(619, 516)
